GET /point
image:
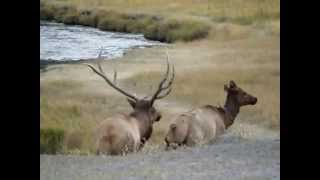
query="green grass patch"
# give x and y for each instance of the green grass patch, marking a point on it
(51, 141)
(67, 105)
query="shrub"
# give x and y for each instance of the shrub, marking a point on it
(46, 13)
(175, 30)
(71, 19)
(190, 30)
(113, 22)
(61, 11)
(160, 30)
(51, 140)
(137, 23)
(88, 18)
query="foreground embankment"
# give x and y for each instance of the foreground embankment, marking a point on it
(238, 160)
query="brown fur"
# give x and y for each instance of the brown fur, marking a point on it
(204, 124)
(125, 133)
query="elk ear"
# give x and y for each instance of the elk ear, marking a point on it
(226, 88)
(132, 103)
(232, 84)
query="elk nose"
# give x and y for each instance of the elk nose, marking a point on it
(255, 100)
(158, 118)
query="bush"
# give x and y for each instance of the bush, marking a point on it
(138, 23)
(175, 30)
(71, 19)
(46, 13)
(188, 31)
(88, 18)
(51, 140)
(61, 11)
(113, 22)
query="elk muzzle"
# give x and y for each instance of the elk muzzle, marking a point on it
(254, 101)
(158, 117)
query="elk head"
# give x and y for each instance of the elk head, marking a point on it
(240, 97)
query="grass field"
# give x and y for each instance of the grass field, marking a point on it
(243, 44)
(242, 11)
(75, 99)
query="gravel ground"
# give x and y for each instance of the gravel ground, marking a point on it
(231, 157)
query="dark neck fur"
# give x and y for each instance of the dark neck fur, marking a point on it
(145, 126)
(231, 109)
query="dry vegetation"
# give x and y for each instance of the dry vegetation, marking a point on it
(168, 21)
(75, 99)
(220, 10)
(243, 45)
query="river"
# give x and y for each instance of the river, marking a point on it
(74, 42)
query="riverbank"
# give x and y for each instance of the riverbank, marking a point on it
(153, 27)
(168, 21)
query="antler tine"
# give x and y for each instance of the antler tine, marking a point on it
(161, 83)
(171, 79)
(161, 87)
(101, 74)
(165, 94)
(168, 87)
(165, 76)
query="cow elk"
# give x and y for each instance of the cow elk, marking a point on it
(128, 132)
(204, 124)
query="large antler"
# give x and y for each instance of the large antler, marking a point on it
(101, 73)
(162, 87)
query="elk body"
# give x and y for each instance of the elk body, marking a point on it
(204, 124)
(127, 132)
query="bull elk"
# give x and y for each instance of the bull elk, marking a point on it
(204, 124)
(128, 132)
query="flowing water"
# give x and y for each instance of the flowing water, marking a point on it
(73, 42)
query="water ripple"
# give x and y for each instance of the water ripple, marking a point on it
(66, 42)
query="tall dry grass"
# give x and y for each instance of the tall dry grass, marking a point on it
(75, 99)
(239, 11)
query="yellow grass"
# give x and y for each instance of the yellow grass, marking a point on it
(75, 99)
(219, 9)
(258, 13)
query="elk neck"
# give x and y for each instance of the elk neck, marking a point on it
(144, 124)
(231, 108)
